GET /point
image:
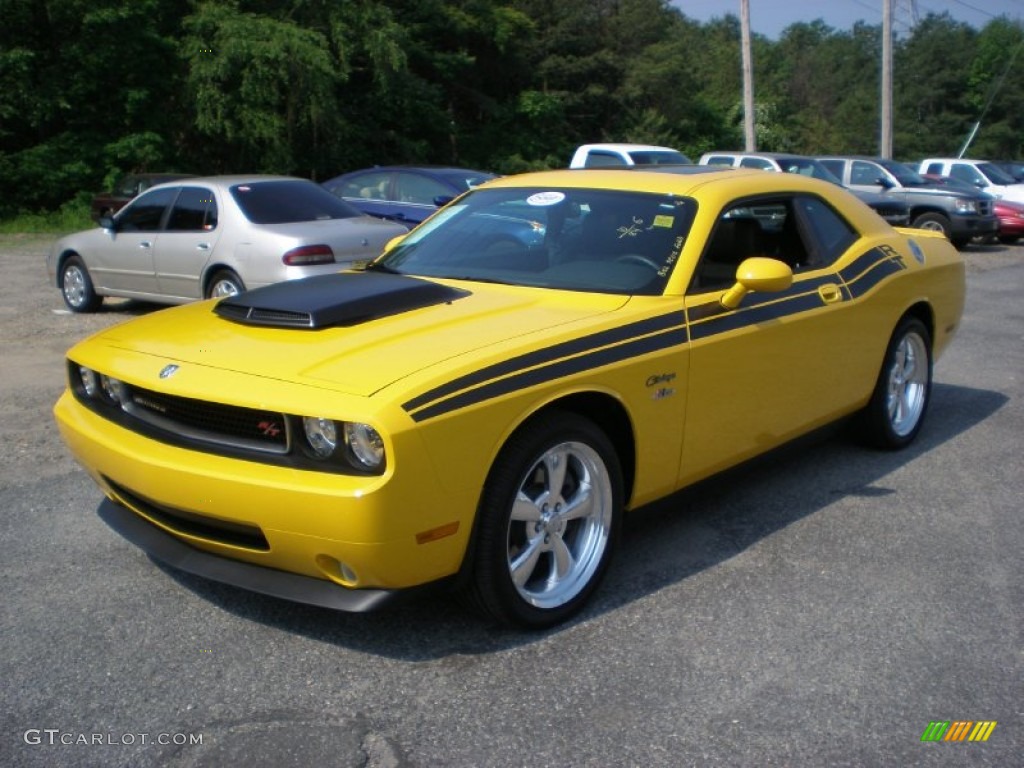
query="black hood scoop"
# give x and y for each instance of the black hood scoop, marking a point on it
(327, 301)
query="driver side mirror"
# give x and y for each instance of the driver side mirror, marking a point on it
(107, 222)
(885, 182)
(757, 274)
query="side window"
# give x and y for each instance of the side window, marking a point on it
(830, 232)
(195, 210)
(864, 173)
(720, 160)
(413, 188)
(968, 173)
(836, 167)
(756, 162)
(146, 211)
(600, 159)
(804, 232)
(367, 186)
(934, 168)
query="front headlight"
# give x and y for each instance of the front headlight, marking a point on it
(113, 388)
(322, 436)
(365, 446)
(359, 445)
(964, 205)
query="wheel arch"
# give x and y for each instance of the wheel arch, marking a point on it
(603, 409)
(61, 260)
(923, 311)
(922, 209)
(212, 269)
(608, 413)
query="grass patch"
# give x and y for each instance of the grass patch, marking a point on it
(71, 216)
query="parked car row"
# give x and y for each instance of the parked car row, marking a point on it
(183, 238)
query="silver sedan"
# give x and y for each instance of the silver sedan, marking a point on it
(217, 236)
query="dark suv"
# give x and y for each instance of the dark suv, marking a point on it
(109, 203)
(959, 214)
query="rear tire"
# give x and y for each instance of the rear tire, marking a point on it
(76, 286)
(897, 408)
(549, 520)
(223, 284)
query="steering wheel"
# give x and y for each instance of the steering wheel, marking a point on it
(636, 258)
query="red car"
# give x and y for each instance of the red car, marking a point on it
(109, 203)
(1011, 221)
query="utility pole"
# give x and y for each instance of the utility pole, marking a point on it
(749, 139)
(885, 147)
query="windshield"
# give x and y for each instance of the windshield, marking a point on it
(904, 174)
(463, 179)
(286, 201)
(996, 174)
(595, 240)
(806, 166)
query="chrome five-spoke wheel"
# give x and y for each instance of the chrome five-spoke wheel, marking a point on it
(549, 521)
(559, 526)
(897, 407)
(908, 384)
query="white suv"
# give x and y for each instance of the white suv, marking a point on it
(618, 155)
(987, 176)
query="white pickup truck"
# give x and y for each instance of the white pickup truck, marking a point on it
(611, 155)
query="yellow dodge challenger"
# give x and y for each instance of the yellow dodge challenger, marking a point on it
(484, 401)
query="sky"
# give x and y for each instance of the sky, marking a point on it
(770, 17)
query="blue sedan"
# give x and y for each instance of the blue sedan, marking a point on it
(403, 193)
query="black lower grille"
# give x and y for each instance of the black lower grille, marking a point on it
(212, 529)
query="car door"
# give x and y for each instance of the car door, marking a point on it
(186, 244)
(779, 363)
(125, 263)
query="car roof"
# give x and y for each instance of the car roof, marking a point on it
(229, 180)
(424, 168)
(628, 147)
(675, 179)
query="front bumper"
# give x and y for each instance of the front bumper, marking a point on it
(345, 534)
(973, 226)
(267, 581)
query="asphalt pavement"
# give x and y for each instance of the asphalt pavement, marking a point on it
(818, 609)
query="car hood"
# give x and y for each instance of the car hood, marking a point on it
(355, 351)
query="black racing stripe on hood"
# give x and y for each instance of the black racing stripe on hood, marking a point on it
(325, 301)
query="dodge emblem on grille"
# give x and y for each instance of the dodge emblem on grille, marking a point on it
(168, 371)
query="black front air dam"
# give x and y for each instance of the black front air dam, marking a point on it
(256, 578)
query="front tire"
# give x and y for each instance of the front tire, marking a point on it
(934, 222)
(549, 521)
(896, 411)
(76, 286)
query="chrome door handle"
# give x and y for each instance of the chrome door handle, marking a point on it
(145, 244)
(203, 247)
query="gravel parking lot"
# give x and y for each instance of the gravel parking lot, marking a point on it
(818, 610)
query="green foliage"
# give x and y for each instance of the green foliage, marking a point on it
(91, 89)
